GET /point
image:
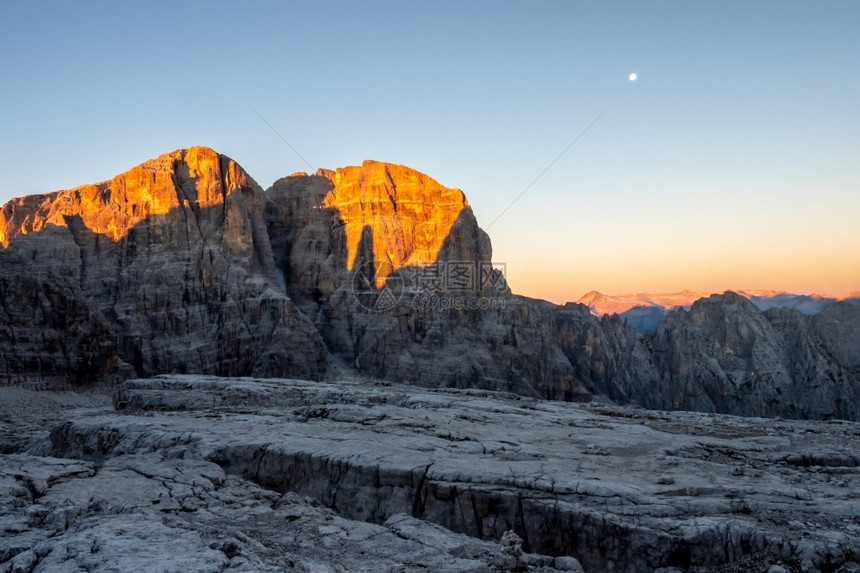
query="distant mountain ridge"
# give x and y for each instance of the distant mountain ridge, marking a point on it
(644, 311)
(601, 304)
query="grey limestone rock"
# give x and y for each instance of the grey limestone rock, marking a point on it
(482, 463)
(165, 268)
(725, 355)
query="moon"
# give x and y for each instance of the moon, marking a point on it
(632, 77)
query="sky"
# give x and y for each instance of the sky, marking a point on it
(732, 162)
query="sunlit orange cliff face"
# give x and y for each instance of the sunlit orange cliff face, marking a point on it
(387, 213)
(194, 178)
(409, 215)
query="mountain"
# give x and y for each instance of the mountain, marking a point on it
(601, 304)
(449, 319)
(185, 265)
(645, 311)
(164, 268)
(726, 355)
(805, 303)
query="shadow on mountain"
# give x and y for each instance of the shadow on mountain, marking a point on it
(416, 326)
(644, 319)
(189, 291)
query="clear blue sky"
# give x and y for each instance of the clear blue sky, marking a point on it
(732, 162)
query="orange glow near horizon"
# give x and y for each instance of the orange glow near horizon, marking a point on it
(824, 275)
(781, 239)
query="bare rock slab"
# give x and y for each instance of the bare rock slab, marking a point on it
(618, 489)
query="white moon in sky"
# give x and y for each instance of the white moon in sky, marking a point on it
(633, 77)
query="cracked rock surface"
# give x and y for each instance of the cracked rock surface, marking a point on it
(149, 513)
(210, 474)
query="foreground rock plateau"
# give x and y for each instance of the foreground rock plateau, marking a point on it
(192, 473)
(184, 264)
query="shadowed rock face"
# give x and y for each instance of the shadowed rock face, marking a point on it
(195, 178)
(330, 227)
(50, 338)
(174, 256)
(725, 355)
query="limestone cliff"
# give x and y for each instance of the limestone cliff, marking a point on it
(409, 214)
(195, 178)
(725, 355)
(175, 255)
(416, 233)
(322, 226)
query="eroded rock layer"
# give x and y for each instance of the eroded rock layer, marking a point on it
(617, 489)
(725, 355)
(170, 264)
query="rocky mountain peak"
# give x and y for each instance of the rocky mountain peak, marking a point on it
(601, 304)
(325, 225)
(196, 177)
(726, 317)
(167, 267)
(720, 302)
(406, 214)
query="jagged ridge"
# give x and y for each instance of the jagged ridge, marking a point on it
(174, 256)
(184, 264)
